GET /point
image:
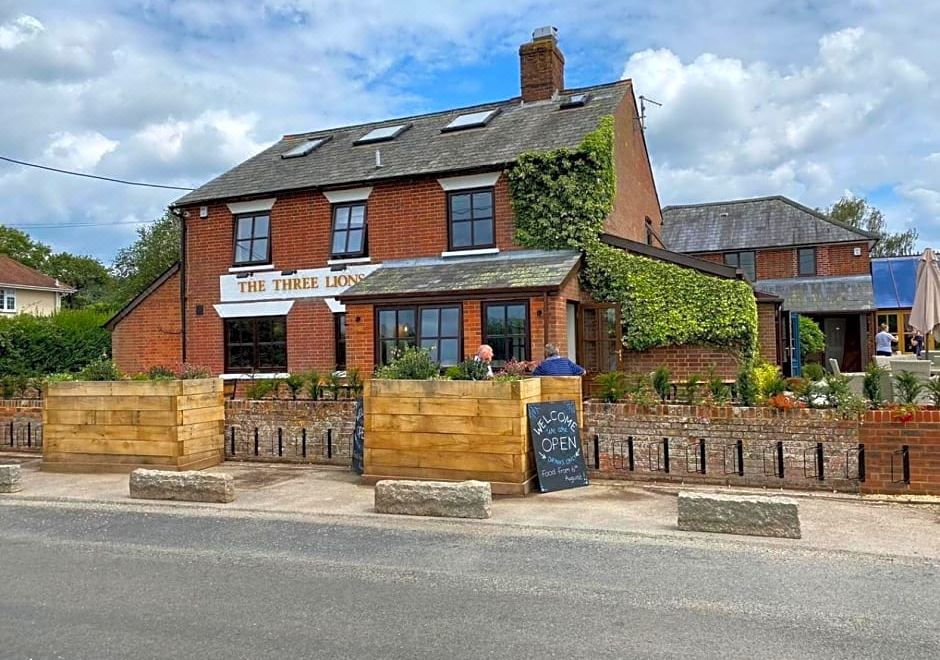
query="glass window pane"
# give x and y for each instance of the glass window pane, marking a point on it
(341, 217)
(746, 259)
(517, 347)
(242, 252)
(339, 242)
(731, 259)
(357, 215)
(460, 234)
(406, 323)
(243, 228)
(355, 241)
(494, 320)
(450, 322)
(482, 205)
(259, 250)
(460, 207)
(449, 352)
(429, 322)
(386, 351)
(240, 357)
(271, 356)
(483, 232)
(387, 324)
(431, 346)
(261, 226)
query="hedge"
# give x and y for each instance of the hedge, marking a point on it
(40, 345)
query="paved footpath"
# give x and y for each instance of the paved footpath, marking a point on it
(829, 522)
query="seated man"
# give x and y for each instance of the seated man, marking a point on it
(556, 365)
(485, 355)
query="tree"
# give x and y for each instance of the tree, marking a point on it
(157, 248)
(94, 282)
(18, 245)
(857, 212)
(812, 339)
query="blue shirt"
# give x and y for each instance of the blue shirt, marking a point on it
(558, 366)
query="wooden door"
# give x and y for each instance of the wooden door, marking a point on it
(600, 338)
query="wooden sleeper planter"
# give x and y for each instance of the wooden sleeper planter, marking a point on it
(118, 426)
(456, 430)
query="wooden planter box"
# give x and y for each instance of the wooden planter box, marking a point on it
(456, 430)
(122, 425)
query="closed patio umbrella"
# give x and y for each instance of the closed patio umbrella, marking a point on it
(925, 314)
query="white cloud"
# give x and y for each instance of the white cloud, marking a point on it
(81, 151)
(18, 31)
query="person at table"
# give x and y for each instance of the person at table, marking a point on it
(557, 365)
(883, 341)
(485, 355)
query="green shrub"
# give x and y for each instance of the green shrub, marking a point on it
(612, 386)
(160, 373)
(295, 385)
(933, 389)
(871, 385)
(718, 391)
(767, 380)
(314, 384)
(470, 370)
(410, 363)
(836, 389)
(813, 371)
(334, 384)
(64, 342)
(690, 390)
(661, 378)
(193, 372)
(100, 370)
(354, 380)
(812, 339)
(262, 388)
(747, 387)
(909, 387)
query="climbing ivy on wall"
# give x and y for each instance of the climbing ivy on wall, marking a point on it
(561, 199)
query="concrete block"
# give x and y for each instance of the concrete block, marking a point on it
(10, 479)
(447, 499)
(184, 486)
(752, 515)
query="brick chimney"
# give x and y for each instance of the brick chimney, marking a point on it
(541, 66)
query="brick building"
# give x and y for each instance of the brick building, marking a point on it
(819, 268)
(331, 248)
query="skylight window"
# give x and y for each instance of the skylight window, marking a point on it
(470, 120)
(383, 134)
(575, 101)
(304, 148)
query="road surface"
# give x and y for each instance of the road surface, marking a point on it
(109, 582)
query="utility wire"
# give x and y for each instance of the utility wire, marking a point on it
(66, 225)
(93, 176)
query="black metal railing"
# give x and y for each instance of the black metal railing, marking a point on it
(290, 444)
(21, 434)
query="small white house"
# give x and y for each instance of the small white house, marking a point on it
(24, 290)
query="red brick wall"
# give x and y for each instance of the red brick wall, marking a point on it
(542, 69)
(831, 260)
(883, 433)
(151, 334)
(767, 331)
(635, 198)
(682, 361)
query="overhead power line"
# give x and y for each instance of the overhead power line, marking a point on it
(66, 225)
(93, 176)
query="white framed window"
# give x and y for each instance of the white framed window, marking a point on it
(7, 300)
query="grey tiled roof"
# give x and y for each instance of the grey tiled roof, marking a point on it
(422, 149)
(823, 294)
(750, 223)
(530, 269)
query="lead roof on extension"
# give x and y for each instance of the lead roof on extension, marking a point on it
(764, 222)
(421, 150)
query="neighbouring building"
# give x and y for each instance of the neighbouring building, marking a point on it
(818, 267)
(24, 290)
(894, 280)
(331, 248)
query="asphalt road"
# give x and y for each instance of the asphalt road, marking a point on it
(112, 583)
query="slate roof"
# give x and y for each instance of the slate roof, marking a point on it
(751, 223)
(540, 270)
(14, 274)
(823, 294)
(422, 149)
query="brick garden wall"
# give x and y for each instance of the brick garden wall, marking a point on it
(328, 426)
(884, 434)
(20, 424)
(682, 361)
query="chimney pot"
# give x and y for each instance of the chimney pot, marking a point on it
(541, 66)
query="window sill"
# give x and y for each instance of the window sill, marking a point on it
(469, 253)
(255, 376)
(248, 269)
(350, 260)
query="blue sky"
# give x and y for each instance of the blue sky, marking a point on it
(806, 99)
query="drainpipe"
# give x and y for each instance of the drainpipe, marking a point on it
(179, 216)
(544, 322)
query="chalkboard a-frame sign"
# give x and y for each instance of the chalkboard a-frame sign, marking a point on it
(556, 441)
